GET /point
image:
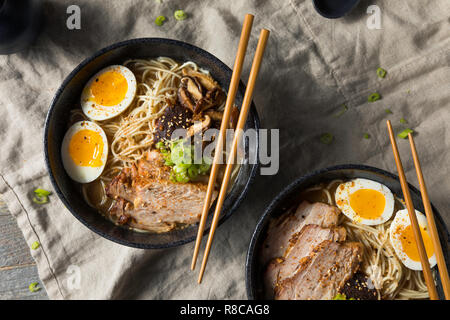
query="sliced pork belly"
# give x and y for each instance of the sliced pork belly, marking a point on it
(145, 197)
(301, 245)
(322, 274)
(282, 229)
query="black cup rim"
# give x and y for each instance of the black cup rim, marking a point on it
(74, 72)
(262, 221)
(330, 15)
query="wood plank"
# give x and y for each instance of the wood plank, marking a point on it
(13, 248)
(14, 284)
(17, 267)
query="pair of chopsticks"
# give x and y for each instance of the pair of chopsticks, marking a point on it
(234, 84)
(415, 225)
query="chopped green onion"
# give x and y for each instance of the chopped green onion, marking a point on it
(374, 97)
(381, 72)
(182, 177)
(42, 193)
(180, 156)
(193, 172)
(159, 21)
(40, 200)
(180, 15)
(179, 169)
(342, 111)
(41, 196)
(366, 136)
(404, 133)
(341, 296)
(388, 111)
(158, 1)
(33, 287)
(160, 145)
(403, 121)
(35, 245)
(326, 138)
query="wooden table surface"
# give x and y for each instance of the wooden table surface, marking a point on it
(17, 267)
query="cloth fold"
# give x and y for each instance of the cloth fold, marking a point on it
(311, 67)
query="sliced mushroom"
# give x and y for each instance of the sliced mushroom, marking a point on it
(218, 115)
(198, 127)
(205, 80)
(185, 99)
(199, 92)
(216, 96)
(193, 87)
(214, 115)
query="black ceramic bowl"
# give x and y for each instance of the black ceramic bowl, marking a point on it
(67, 97)
(289, 197)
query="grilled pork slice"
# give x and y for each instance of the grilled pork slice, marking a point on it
(301, 245)
(145, 197)
(322, 274)
(282, 229)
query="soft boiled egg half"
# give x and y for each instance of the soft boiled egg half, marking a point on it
(84, 151)
(402, 239)
(108, 93)
(365, 201)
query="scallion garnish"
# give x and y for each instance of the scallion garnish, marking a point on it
(388, 111)
(404, 133)
(41, 196)
(381, 72)
(180, 157)
(374, 97)
(366, 136)
(159, 21)
(180, 15)
(403, 121)
(341, 296)
(42, 193)
(33, 287)
(35, 245)
(326, 138)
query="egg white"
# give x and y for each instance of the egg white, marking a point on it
(76, 172)
(95, 111)
(402, 220)
(342, 197)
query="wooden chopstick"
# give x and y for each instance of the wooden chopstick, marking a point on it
(234, 84)
(442, 266)
(412, 217)
(237, 137)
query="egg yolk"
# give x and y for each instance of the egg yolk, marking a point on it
(368, 203)
(109, 89)
(86, 148)
(409, 246)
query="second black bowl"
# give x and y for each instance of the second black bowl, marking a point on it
(68, 96)
(289, 196)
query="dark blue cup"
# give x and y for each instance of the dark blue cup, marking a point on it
(20, 22)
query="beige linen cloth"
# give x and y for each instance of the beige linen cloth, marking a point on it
(312, 65)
